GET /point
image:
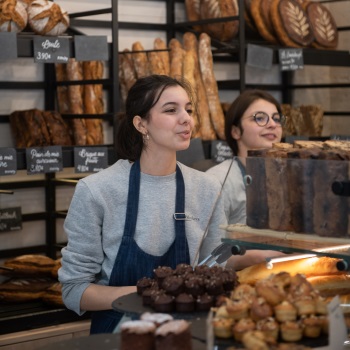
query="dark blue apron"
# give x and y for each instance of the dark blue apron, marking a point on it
(132, 263)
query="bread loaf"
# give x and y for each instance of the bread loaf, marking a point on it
(140, 60)
(224, 31)
(312, 120)
(323, 26)
(156, 65)
(160, 44)
(76, 106)
(29, 265)
(62, 91)
(57, 128)
(193, 12)
(47, 18)
(291, 23)
(309, 267)
(24, 289)
(260, 11)
(93, 102)
(206, 130)
(176, 54)
(188, 74)
(53, 295)
(331, 285)
(13, 16)
(212, 92)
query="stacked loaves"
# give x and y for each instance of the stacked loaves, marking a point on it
(31, 277)
(81, 99)
(191, 58)
(43, 17)
(293, 23)
(291, 188)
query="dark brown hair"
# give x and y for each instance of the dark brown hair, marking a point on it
(142, 96)
(237, 110)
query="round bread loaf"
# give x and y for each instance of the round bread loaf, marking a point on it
(47, 18)
(13, 16)
(323, 26)
(291, 23)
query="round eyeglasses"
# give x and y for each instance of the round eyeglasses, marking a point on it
(262, 118)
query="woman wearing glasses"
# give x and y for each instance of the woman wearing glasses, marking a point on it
(253, 121)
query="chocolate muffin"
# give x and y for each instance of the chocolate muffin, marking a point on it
(173, 285)
(184, 302)
(149, 295)
(204, 302)
(229, 278)
(195, 285)
(183, 269)
(202, 270)
(164, 303)
(214, 286)
(161, 272)
(143, 284)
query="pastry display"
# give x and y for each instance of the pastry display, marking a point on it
(184, 289)
(288, 317)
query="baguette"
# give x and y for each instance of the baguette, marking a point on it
(156, 65)
(176, 54)
(310, 267)
(207, 131)
(93, 103)
(160, 44)
(331, 285)
(140, 60)
(212, 92)
(188, 74)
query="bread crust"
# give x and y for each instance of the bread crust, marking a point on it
(212, 92)
(309, 267)
(160, 44)
(140, 60)
(176, 54)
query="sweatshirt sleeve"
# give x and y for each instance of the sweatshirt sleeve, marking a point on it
(83, 256)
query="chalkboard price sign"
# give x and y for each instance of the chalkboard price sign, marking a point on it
(51, 49)
(44, 160)
(220, 151)
(90, 159)
(8, 161)
(10, 219)
(291, 59)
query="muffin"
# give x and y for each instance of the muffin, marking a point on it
(269, 327)
(204, 302)
(238, 309)
(222, 327)
(291, 331)
(184, 302)
(312, 326)
(214, 286)
(137, 335)
(183, 269)
(285, 311)
(143, 284)
(164, 303)
(260, 309)
(195, 285)
(173, 285)
(242, 326)
(161, 272)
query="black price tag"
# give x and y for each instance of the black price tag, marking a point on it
(44, 159)
(90, 159)
(10, 219)
(8, 161)
(8, 44)
(91, 48)
(51, 49)
(291, 59)
(220, 151)
(259, 56)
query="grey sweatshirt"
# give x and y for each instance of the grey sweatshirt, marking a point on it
(95, 222)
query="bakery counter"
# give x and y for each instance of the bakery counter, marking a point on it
(15, 317)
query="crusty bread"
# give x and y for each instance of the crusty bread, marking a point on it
(331, 285)
(207, 131)
(140, 59)
(47, 18)
(62, 91)
(176, 54)
(337, 144)
(282, 145)
(309, 267)
(212, 92)
(13, 16)
(193, 12)
(29, 264)
(307, 144)
(159, 44)
(53, 295)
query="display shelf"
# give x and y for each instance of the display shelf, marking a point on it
(289, 242)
